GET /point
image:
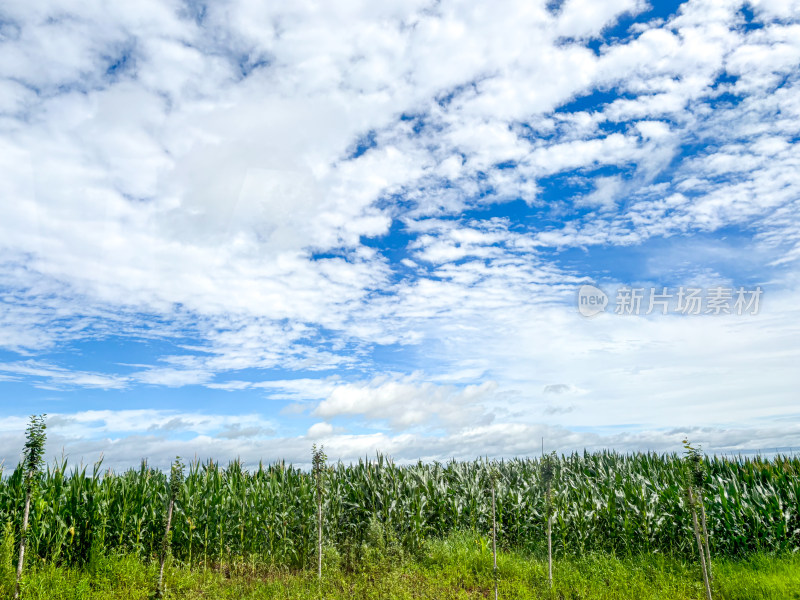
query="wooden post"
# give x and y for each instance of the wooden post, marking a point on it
(705, 535)
(23, 538)
(700, 548)
(164, 546)
(319, 537)
(549, 539)
(494, 542)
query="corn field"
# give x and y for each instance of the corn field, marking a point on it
(603, 502)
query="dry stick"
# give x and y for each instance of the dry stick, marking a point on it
(700, 548)
(319, 536)
(22, 540)
(549, 539)
(494, 544)
(705, 535)
(160, 588)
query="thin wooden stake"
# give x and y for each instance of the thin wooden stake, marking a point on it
(549, 539)
(705, 535)
(23, 538)
(319, 538)
(164, 546)
(494, 543)
(700, 548)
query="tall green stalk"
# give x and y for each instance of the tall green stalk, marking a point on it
(33, 461)
(175, 482)
(694, 485)
(318, 458)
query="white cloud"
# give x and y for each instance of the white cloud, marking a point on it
(50, 376)
(95, 424)
(319, 430)
(407, 403)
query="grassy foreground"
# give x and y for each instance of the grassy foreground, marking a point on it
(458, 567)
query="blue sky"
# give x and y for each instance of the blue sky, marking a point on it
(238, 229)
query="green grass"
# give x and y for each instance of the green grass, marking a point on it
(457, 567)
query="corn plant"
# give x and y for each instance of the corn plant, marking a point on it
(604, 501)
(7, 560)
